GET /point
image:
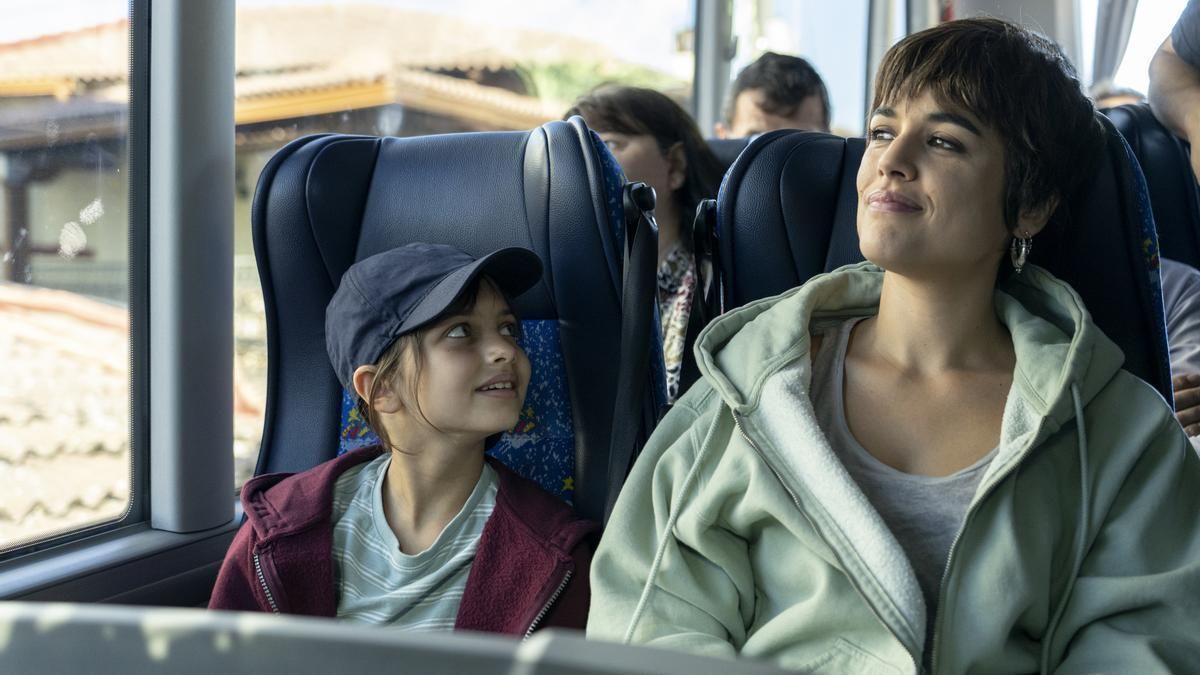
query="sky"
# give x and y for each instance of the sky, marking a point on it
(645, 32)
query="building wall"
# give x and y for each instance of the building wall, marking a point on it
(74, 207)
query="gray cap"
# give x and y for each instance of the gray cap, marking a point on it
(395, 292)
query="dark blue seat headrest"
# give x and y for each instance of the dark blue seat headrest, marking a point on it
(727, 149)
(1174, 195)
(788, 211)
(780, 204)
(325, 201)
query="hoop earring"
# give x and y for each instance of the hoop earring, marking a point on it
(1021, 247)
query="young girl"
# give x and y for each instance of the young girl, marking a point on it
(421, 532)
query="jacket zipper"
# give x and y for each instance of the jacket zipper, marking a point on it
(737, 422)
(545, 608)
(950, 560)
(262, 581)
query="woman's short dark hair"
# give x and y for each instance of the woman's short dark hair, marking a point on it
(1018, 82)
(638, 111)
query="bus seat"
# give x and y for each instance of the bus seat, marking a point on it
(1174, 194)
(727, 149)
(325, 201)
(772, 238)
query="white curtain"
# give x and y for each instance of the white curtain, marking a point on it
(1114, 22)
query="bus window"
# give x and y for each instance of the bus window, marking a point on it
(64, 256)
(403, 68)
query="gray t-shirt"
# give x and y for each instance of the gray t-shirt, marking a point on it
(924, 513)
(375, 581)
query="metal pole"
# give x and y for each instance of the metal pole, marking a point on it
(713, 52)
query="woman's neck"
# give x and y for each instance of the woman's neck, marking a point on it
(930, 327)
(426, 485)
(668, 229)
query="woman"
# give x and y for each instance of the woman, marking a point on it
(903, 466)
(656, 142)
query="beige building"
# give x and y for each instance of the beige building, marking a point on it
(64, 416)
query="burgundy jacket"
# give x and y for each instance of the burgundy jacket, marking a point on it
(530, 569)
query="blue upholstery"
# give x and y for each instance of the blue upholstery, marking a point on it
(1174, 194)
(727, 150)
(325, 201)
(788, 211)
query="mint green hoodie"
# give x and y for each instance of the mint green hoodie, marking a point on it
(739, 531)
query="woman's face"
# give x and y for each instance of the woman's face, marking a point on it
(930, 191)
(641, 160)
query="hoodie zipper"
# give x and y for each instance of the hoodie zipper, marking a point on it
(737, 422)
(545, 608)
(262, 581)
(954, 549)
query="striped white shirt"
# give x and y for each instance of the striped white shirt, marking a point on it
(377, 583)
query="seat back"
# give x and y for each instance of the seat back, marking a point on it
(326, 201)
(1174, 194)
(788, 210)
(727, 150)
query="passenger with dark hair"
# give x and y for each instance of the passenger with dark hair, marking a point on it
(656, 142)
(917, 463)
(777, 91)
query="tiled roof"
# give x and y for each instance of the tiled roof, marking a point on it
(64, 412)
(295, 62)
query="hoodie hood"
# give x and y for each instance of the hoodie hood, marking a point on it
(1055, 341)
(756, 358)
(280, 504)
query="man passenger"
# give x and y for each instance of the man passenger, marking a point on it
(777, 91)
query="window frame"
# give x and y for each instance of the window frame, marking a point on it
(183, 514)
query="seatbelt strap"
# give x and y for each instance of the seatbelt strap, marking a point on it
(706, 300)
(638, 284)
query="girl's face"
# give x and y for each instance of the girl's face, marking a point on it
(473, 375)
(642, 160)
(930, 191)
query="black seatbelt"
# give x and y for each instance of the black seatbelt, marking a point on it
(631, 418)
(706, 300)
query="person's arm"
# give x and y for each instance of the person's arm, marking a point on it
(693, 604)
(1187, 402)
(1135, 604)
(1181, 303)
(1175, 96)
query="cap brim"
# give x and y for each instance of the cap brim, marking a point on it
(515, 270)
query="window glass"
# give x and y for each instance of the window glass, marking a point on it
(832, 36)
(64, 249)
(408, 68)
(1152, 23)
